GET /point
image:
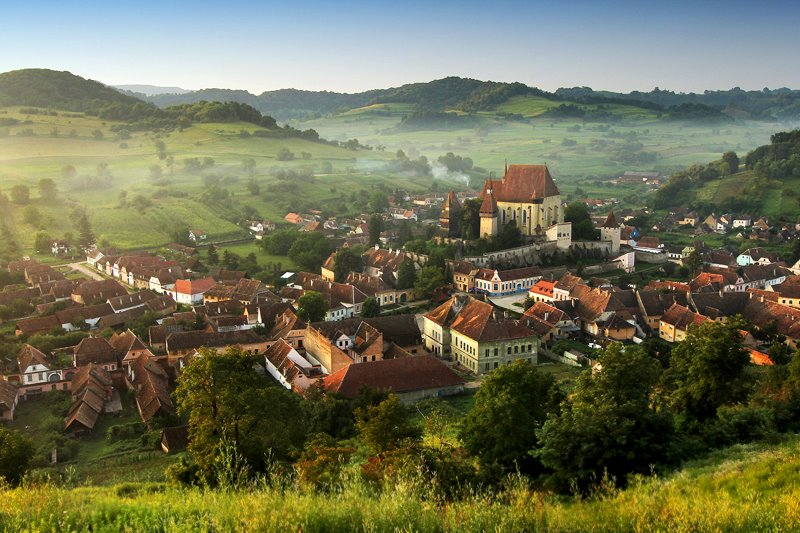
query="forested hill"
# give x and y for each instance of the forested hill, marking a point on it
(766, 104)
(471, 96)
(764, 182)
(50, 89)
(58, 90)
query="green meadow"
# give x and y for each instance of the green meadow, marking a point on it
(743, 488)
(143, 198)
(132, 208)
(574, 150)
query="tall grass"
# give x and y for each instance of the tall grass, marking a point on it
(746, 488)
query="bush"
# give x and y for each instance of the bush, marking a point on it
(739, 424)
(125, 431)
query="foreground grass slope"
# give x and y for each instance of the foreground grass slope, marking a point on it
(744, 488)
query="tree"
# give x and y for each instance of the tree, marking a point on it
(309, 251)
(47, 189)
(230, 260)
(312, 307)
(428, 280)
(280, 241)
(608, 425)
(406, 274)
(15, 454)
(582, 226)
(20, 194)
(509, 236)
(86, 237)
(43, 242)
(213, 255)
(707, 370)
(284, 154)
(378, 202)
(694, 261)
(156, 172)
(375, 228)
(370, 308)
(511, 404)
(68, 172)
(229, 404)
(730, 163)
(471, 218)
(386, 426)
(404, 233)
(345, 261)
(31, 215)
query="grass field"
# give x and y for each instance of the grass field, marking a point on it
(744, 488)
(30, 151)
(540, 139)
(580, 155)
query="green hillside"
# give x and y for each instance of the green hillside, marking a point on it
(765, 182)
(146, 190)
(58, 90)
(744, 488)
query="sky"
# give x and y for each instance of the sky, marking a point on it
(358, 45)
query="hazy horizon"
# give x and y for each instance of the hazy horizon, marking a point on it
(243, 44)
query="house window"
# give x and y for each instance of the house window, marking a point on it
(508, 350)
(486, 352)
(516, 349)
(530, 346)
(495, 352)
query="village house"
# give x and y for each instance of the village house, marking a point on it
(189, 291)
(757, 256)
(675, 323)
(197, 235)
(344, 301)
(411, 379)
(183, 343)
(8, 401)
(564, 286)
(505, 282)
(290, 369)
(90, 292)
(150, 385)
(379, 289)
(96, 351)
(654, 303)
(481, 340)
(354, 342)
(463, 275)
(542, 291)
(548, 322)
(92, 390)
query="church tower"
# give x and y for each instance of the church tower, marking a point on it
(611, 231)
(488, 213)
(450, 217)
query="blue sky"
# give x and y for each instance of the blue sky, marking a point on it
(358, 45)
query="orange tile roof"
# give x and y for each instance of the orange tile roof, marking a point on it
(523, 183)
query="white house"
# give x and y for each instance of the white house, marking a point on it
(197, 235)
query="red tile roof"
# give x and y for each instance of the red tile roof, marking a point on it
(402, 375)
(523, 183)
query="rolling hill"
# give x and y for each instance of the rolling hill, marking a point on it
(58, 90)
(473, 96)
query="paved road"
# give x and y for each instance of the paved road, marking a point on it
(84, 269)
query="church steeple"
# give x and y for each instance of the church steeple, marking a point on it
(505, 169)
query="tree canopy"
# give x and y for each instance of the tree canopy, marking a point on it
(229, 404)
(511, 404)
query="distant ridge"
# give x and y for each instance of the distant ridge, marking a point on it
(151, 90)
